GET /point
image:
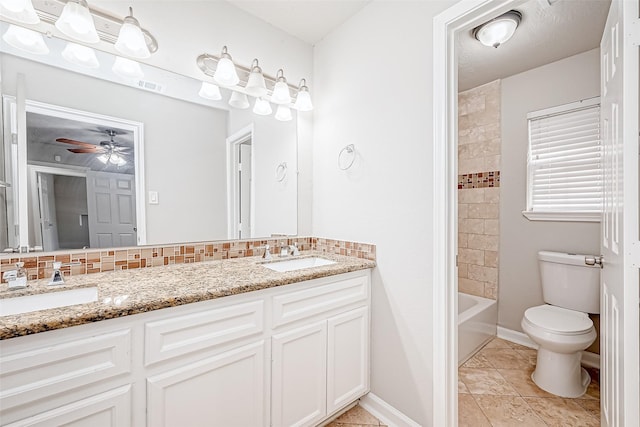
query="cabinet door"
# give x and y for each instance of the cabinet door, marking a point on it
(109, 409)
(299, 376)
(347, 358)
(225, 390)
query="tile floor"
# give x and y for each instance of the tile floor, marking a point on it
(495, 389)
(356, 417)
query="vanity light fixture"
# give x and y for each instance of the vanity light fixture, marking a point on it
(226, 74)
(19, 10)
(498, 30)
(127, 69)
(80, 55)
(281, 93)
(26, 40)
(303, 99)
(262, 107)
(76, 22)
(283, 113)
(210, 91)
(256, 85)
(239, 100)
(131, 41)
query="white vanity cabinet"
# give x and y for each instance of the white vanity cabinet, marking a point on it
(285, 356)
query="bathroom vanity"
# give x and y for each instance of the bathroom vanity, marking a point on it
(224, 343)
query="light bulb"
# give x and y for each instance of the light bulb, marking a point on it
(281, 93)
(131, 41)
(26, 40)
(499, 30)
(80, 55)
(256, 85)
(226, 74)
(76, 22)
(19, 10)
(104, 158)
(210, 91)
(283, 113)
(239, 100)
(262, 107)
(303, 100)
(127, 69)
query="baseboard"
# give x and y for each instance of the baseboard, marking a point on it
(386, 413)
(589, 359)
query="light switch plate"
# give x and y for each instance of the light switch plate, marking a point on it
(153, 197)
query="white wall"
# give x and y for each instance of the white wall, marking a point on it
(561, 82)
(373, 89)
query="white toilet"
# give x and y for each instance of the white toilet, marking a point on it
(561, 328)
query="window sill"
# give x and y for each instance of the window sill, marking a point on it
(562, 216)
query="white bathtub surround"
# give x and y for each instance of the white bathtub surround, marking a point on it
(477, 318)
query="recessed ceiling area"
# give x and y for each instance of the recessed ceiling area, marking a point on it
(546, 34)
(308, 20)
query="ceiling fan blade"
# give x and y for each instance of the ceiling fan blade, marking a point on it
(74, 142)
(84, 150)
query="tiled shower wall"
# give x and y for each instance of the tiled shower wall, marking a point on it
(479, 189)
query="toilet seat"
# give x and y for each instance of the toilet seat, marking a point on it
(557, 320)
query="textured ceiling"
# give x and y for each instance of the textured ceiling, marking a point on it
(546, 34)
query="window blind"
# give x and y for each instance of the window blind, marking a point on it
(564, 162)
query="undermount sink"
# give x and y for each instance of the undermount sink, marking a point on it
(297, 264)
(28, 303)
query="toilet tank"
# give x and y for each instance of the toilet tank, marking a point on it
(568, 282)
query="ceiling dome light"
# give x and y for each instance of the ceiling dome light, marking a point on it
(226, 74)
(19, 10)
(210, 91)
(281, 93)
(283, 113)
(76, 22)
(131, 41)
(80, 55)
(239, 100)
(498, 30)
(26, 40)
(262, 107)
(127, 69)
(303, 100)
(256, 85)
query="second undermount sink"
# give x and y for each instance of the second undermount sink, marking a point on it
(29, 303)
(297, 264)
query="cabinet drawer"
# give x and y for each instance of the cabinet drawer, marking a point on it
(178, 336)
(45, 371)
(294, 306)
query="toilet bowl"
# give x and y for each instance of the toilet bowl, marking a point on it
(561, 335)
(562, 328)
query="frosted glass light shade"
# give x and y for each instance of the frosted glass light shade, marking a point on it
(210, 91)
(499, 30)
(80, 55)
(76, 22)
(281, 94)
(127, 69)
(256, 85)
(103, 158)
(283, 113)
(226, 74)
(117, 159)
(262, 107)
(131, 41)
(239, 100)
(303, 101)
(26, 40)
(19, 10)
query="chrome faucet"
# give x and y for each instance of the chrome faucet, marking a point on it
(56, 277)
(266, 255)
(293, 249)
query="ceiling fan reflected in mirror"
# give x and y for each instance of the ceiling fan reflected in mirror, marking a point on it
(109, 151)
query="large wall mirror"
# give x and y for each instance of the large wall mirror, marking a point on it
(91, 160)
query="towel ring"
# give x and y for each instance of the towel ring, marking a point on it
(281, 171)
(346, 157)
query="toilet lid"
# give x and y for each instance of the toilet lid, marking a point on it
(559, 320)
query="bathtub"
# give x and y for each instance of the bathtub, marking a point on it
(477, 320)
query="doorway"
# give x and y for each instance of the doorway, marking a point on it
(240, 186)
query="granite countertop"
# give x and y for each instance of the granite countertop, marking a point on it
(127, 292)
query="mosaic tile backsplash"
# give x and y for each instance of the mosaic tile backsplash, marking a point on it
(98, 261)
(479, 180)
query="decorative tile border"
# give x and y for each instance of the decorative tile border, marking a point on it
(96, 261)
(479, 180)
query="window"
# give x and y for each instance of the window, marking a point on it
(564, 169)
